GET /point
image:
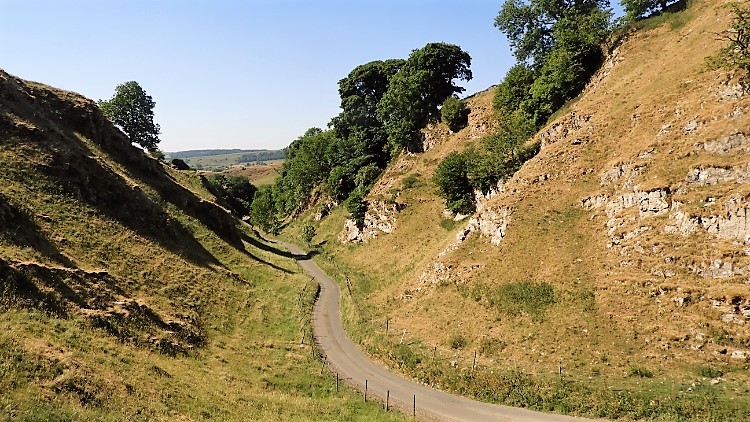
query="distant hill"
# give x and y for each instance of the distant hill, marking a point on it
(222, 159)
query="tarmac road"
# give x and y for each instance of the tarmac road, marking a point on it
(356, 369)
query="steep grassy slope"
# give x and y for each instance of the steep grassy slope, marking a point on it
(126, 293)
(608, 277)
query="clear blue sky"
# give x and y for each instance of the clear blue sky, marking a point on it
(236, 74)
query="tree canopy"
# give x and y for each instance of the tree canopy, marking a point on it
(531, 25)
(637, 9)
(416, 92)
(358, 123)
(132, 110)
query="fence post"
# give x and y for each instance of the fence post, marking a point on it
(474, 365)
(365, 391)
(386, 327)
(337, 382)
(387, 399)
(414, 406)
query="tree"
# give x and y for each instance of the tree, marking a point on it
(637, 9)
(513, 90)
(263, 210)
(558, 47)
(452, 181)
(416, 92)
(132, 110)
(307, 232)
(737, 53)
(530, 24)
(454, 113)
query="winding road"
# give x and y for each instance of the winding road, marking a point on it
(359, 371)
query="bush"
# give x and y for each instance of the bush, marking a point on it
(458, 341)
(366, 176)
(411, 181)
(307, 232)
(452, 181)
(638, 371)
(454, 114)
(513, 90)
(357, 207)
(710, 372)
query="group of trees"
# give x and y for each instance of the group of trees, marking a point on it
(236, 191)
(558, 46)
(384, 105)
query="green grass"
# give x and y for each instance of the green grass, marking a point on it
(221, 161)
(249, 302)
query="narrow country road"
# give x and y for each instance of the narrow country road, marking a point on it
(357, 369)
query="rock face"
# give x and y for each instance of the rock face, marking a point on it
(380, 218)
(489, 222)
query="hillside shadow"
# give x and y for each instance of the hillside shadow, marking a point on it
(264, 247)
(152, 173)
(270, 264)
(20, 229)
(85, 178)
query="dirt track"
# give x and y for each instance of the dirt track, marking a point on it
(356, 369)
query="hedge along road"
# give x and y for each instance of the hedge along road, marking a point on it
(356, 369)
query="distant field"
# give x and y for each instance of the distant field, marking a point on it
(224, 159)
(259, 174)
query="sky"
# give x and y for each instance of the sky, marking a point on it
(252, 74)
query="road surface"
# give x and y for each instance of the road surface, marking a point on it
(357, 369)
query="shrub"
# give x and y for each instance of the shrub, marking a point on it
(307, 232)
(638, 371)
(710, 372)
(452, 181)
(411, 180)
(454, 114)
(357, 207)
(458, 341)
(366, 176)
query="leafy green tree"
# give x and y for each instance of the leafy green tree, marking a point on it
(358, 123)
(737, 52)
(307, 165)
(416, 92)
(637, 9)
(307, 232)
(560, 43)
(237, 191)
(530, 25)
(132, 110)
(357, 207)
(513, 90)
(452, 181)
(263, 210)
(454, 113)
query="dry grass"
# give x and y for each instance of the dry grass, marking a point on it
(613, 317)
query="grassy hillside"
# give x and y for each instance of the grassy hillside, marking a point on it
(258, 175)
(607, 277)
(126, 293)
